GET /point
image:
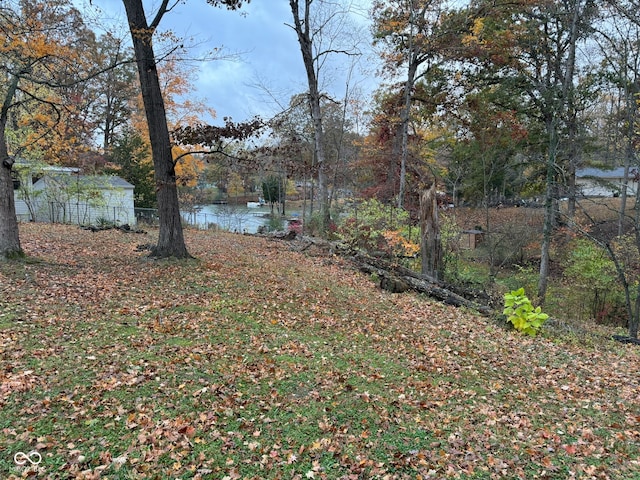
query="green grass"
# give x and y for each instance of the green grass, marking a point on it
(225, 367)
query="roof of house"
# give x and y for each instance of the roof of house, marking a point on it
(21, 162)
(99, 181)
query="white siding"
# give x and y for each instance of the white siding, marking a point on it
(110, 200)
(22, 211)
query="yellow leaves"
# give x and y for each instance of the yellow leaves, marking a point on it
(478, 26)
(187, 168)
(474, 38)
(41, 44)
(399, 244)
(236, 185)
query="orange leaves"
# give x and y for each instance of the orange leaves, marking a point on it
(399, 245)
(348, 382)
(45, 44)
(188, 168)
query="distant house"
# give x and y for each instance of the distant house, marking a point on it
(596, 182)
(62, 195)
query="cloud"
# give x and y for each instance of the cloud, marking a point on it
(266, 66)
(261, 66)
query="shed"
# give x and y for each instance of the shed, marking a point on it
(84, 199)
(470, 239)
(24, 174)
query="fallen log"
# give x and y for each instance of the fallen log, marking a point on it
(624, 339)
(397, 279)
(394, 277)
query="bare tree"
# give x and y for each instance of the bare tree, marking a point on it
(410, 32)
(313, 26)
(619, 41)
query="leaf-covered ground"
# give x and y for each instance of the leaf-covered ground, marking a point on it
(254, 361)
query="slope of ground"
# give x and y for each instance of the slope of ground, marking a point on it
(253, 361)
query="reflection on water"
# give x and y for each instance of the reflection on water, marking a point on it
(234, 218)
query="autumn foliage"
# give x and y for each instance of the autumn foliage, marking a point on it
(113, 365)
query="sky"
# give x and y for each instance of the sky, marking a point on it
(261, 66)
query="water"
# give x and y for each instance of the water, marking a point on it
(234, 218)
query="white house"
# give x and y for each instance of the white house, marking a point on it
(62, 195)
(596, 182)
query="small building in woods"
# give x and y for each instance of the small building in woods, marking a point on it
(62, 195)
(470, 239)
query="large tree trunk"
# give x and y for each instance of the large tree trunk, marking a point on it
(397, 279)
(430, 246)
(171, 238)
(9, 234)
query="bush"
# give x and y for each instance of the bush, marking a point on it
(591, 272)
(103, 222)
(450, 234)
(313, 225)
(522, 314)
(275, 223)
(374, 226)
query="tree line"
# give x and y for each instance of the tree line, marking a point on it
(489, 101)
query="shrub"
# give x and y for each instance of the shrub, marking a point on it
(103, 222)
(313, 225)
(522, 314)
(275, 223)
(450, 234)
(374, 226)
(591, 272)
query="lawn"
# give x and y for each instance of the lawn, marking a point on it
(253, 361)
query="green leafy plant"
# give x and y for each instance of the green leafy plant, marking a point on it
(522, 314)
(592, 274)
(374, 226)
(275, 223)
(103, 222)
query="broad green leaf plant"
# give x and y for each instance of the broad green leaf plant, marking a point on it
(522, 314)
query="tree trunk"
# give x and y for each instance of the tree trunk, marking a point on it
(548, 211)
(398, 279)
(634, 317)
(406, 110)
(170, 238)
(304, 33)
(569, 98)
(430, 247)
(404, 125)
(629, 159)
(9, 233)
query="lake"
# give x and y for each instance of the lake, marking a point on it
(234, 218)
